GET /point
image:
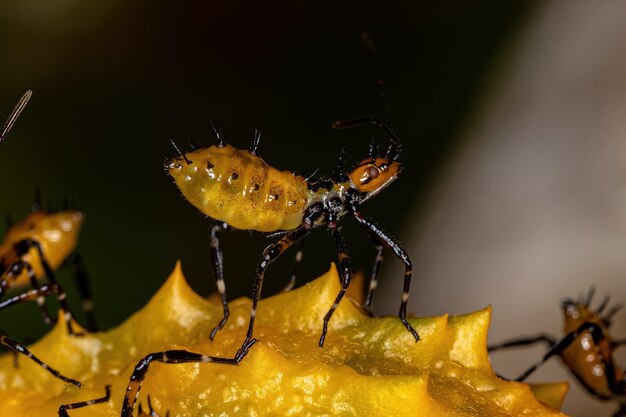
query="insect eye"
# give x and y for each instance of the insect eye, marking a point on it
(372, 172)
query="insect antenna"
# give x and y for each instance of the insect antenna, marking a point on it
(179, 153)
(592, 291)
(192, 145)
(370, 50)
(220, 137)
(15, 114)
(603, 304)
(255, 142)
(393, 144)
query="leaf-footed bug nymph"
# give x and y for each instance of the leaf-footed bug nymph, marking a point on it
(16, 255)
(240, 190)
(586, 349)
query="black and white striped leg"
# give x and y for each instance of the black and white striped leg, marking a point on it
(296, 264)
(16, 355)
(171, 356)
(269, 255)
(561, 345)
(374, 277)
(63, 409)
(272, 252)
(35, 294)
(401, 254)
(23, 247)
(12, 273)
(217, 262)
(525, 341)
(21, 349)
(84, 287)
(31, 295)
(346, 274)
(41, 300)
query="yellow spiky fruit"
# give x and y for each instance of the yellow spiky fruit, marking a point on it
(368, 367)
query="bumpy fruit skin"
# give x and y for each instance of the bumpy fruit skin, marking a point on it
(368, 367)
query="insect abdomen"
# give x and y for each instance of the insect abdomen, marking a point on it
(240, 189)
(56, 233)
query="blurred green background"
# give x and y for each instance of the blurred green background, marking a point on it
(114, 80)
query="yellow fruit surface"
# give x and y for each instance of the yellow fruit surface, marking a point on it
(368, 366)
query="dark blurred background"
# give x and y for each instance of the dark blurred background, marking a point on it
(114, 80)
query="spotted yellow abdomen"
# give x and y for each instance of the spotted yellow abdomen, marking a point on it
(240, 189)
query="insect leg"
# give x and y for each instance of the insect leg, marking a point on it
(63, 409)
(559, 347)
(31, 295)
(401, 254)
(171, 356)
(346, 275)
(269, 255)
(378, 262)
(296, 264)
(19, 348)
(150, 412)
(84, 287)
(542, 338)
(12, 273)
(297, 258)
(23, 247)
(16, 355)
(217, 262)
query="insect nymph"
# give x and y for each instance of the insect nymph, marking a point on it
(240, 190)
(37, 246)
(43, 241)
(586, 349)
(17, 253)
